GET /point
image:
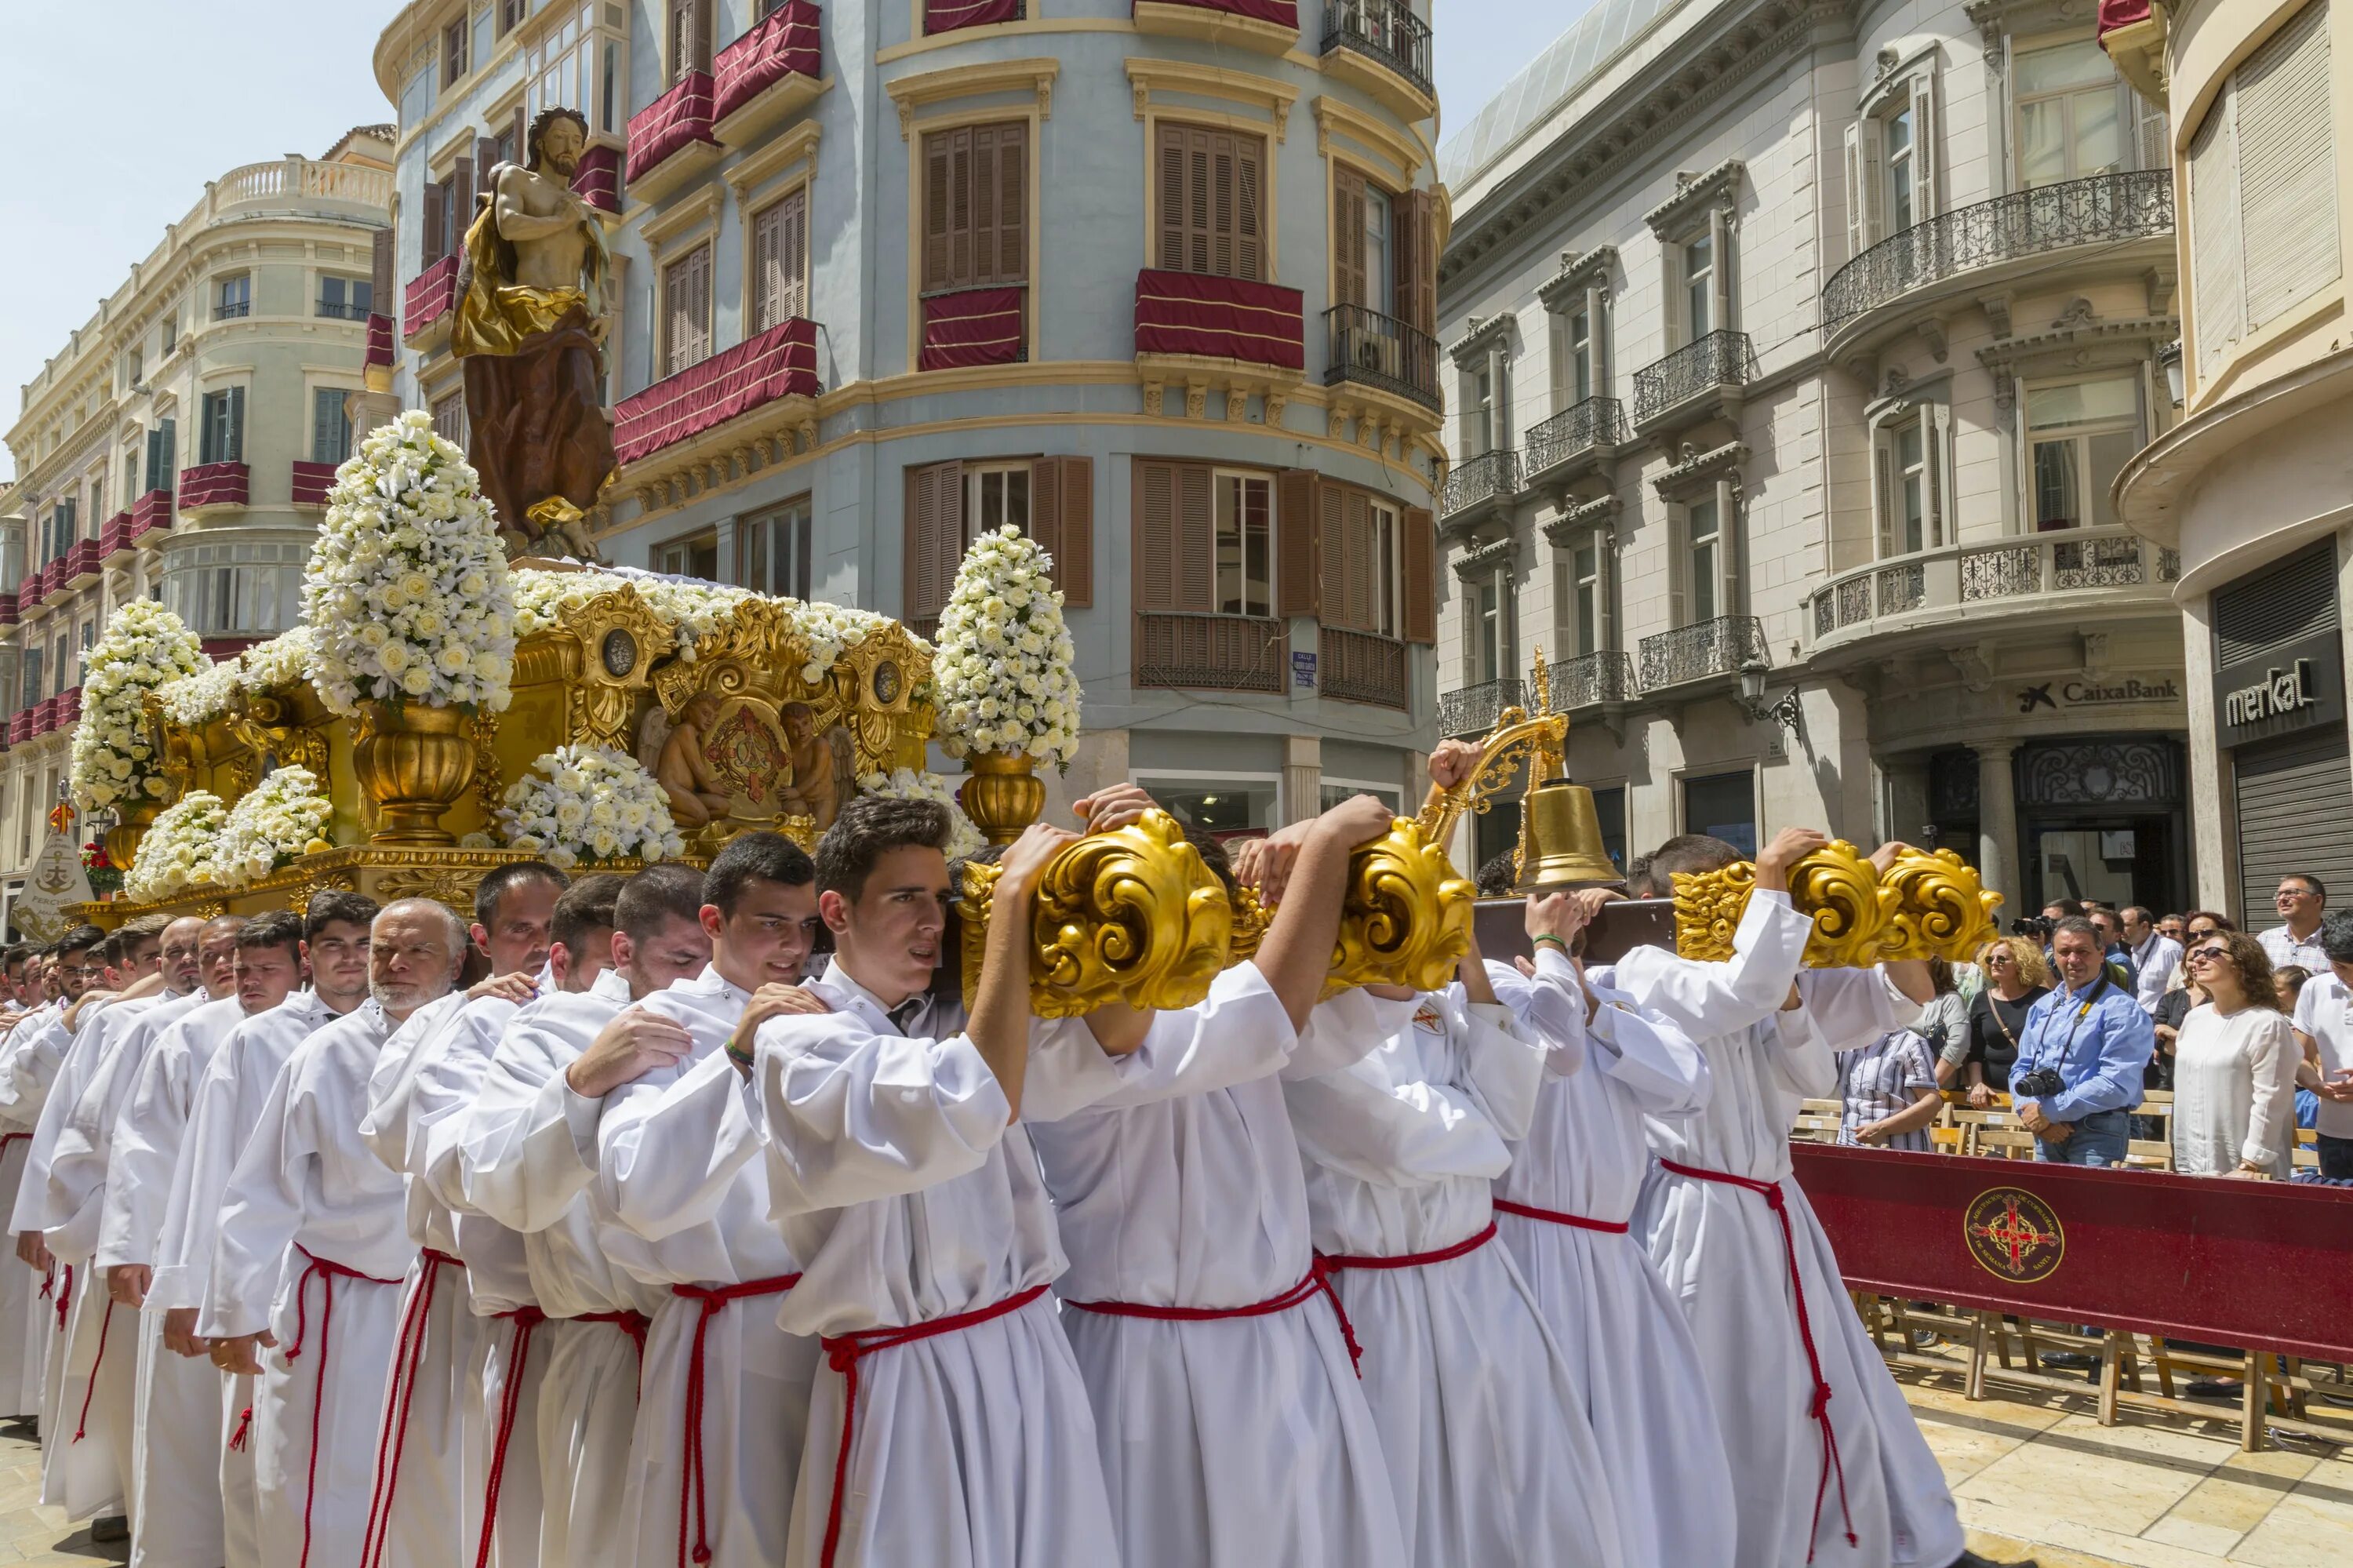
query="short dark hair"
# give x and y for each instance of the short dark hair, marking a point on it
(232, 924)
(1213, 854)
(1496, 874)
(655, 895)
(278, 928)
(334, 907)
(80, 939)
(754, 857)
(868, 827)
(1638, 877)
(2141, 912)
(2069, 909)
(499, 879)
(587, 906)
(107, 949)
(1690, 854)
(2336, 937)
(2319, 890)
(2221, 922)
(2075, 925)
(538, 128)
(149, 925)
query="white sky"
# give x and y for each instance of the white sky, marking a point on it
(118, 112)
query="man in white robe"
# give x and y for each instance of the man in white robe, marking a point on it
(1827, 1464)
(28, 1069)
(953, 1425)
(24, 1341)
(1232, 1426)
(433, 1502)
(526, 1158)
(312, 1249)
(725, 1398)
(224, 1106)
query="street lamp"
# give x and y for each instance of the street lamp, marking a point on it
(1783, 710)
(2169, 356)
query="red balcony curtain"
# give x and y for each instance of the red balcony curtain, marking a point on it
(1283, 12)
(379, 344)
(429, 296)
(599, 177)
(785, 45)
(779, 363)
(947, 16)
(2115, 14)
(1225, 318)
(672, 121)
(974, 326)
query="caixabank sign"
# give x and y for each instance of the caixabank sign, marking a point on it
(2293, 687)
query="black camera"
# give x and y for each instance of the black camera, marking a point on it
(2038, 1084)
(2035, 926)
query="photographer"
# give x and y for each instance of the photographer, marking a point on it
(2081, 1059)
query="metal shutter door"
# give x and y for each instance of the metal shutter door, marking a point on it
(2295, 797)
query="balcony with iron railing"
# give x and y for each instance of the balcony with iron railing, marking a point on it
(1369, 349)
(1384, 48)
(1473, 710)
(1188, 651)
(1705, 651)
(1578, 439)
(1973, 247)
(1590, 680)
(1705, 379)
(2060, 574)
(1263, 26)
(1362, 667)
(81, 559)
(1478, 486)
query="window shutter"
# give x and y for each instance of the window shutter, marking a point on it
(1331, 534)
(1347, 237)
(381, 280)
(1928, 153)
(1940, 443)
(321, 434)
(1872, 145)
(1176, 251)
(1297, 573)
(1421, 262)
(1196, 530)
(792, 256)
(941, 207)
(2287, 170)
(437, 213)
(1728, 553)
(979, 202)
(486, 158)
(2152, 134)
(1061, 519)
(1402, 250)
(1856, 243)
(779, 243)
(168, 478)
(1005, 174)
(1250, 208)
(2217, 303)
(934, 537)
(1418, 543)
(236, 452)
(461, 204)
(762, 288)
(1154, 519)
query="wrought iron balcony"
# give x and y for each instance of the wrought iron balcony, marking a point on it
(1211, 652)
(1693, 376)
(2021, 573)
(2104, 209)
(1702, 651)
(1362, 667)
(1381, 351)
(1474, 709)
(1590, 679)
(1385, 32)
(1474, 482)
(1589, 430)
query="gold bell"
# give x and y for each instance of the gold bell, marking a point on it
(1561, 838)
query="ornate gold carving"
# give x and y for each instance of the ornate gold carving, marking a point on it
(1927, 906)
(1252, 919)
(490, 789)
(450, 885)
(1405, 918)
(618, 638)
(1840, 890)
(413, 761)
(1942, 907)
(1004, 794)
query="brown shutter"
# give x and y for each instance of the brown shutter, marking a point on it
(792, 256)
(461, 204)
(1348, 237)
(1197, 539)
(380, 271)
(1010, 262)
(436, 237)
(939, 207)
(1250, 214)
(521, 135)
(1403, 215)
(1420, 263)
(1061, 519)
(1175, 248)
(1297, 573)
(486, 158)
(1418, 545)
(1152, 524)
(934, 538)
(1332, 527)
(761, 289)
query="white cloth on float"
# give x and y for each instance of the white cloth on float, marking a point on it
(312, 1246)
(1226, 1442)
(898, 1177)
(1628, 1351)
(1490, 1452)
(1721, 1248)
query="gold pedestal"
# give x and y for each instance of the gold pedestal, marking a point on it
(133, 821)
(414, 762)
(1004, 794)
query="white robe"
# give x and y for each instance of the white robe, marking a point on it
(306, 1184)
(1225, 1443)
(1630, 1352)
(224, 1102)
(527, 1157)
(1723, 1255)
(1488, 1445)
(23, 1331)
(690, 1204)
(895, 1172)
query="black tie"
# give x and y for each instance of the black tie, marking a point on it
(906, 1014)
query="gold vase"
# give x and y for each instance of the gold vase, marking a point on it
(132, 823)
(1004, 794)
(414, 762)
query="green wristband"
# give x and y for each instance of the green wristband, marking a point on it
(1556, 941)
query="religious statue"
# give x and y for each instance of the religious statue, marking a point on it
(696, 799)
(814, 792)
(532, 313)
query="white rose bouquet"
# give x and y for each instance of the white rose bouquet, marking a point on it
(274, 823)
(1004, 677)
(178, 851)
(407, 590)
(589, 803)
(906, 784)
(144, 646)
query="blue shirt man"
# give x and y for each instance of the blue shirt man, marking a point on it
(2092, 1033)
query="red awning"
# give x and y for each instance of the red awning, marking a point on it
(2115, 13)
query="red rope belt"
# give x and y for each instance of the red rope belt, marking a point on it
(1317, 1283)
(1462, 1248)
(1820, 1408)
(525, 1319)
(244, 1422)
(50, 1292)
(90, 1389)
(633, 1324)
(328, 1273)
(392, 1438)
(1554, 1217)
(710, 1298)
(8, 1138)
(844, 1351)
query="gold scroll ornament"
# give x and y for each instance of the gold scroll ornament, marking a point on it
(1405, 918)
(1929, 905)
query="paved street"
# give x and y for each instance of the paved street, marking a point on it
(29, 1532)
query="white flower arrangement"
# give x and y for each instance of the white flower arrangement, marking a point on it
(282, 661)
(194, 701)
(407, 588)
(1004, 676)
(274, 823)
(906, 784)
(694, 612)
(144, 646)
(178, 851)
(589, 803)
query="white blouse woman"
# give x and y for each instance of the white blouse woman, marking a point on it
(2234, 1068)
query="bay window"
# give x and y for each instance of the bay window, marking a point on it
(2079, 437)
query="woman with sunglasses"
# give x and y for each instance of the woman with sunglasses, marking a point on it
(2234, 1068)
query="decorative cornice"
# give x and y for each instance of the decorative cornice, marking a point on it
(1694, 193)
(1566, 291)
(912, 92)
(1601, 511)
(1486, 558)
(798, 142)
(1147, 76)
(1331, 115)
(2073, 337)
(1693, 465)
(1482, 337)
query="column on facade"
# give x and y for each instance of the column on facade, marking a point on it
(1302, 777)
(1719, 250)
(1997, 821)
(1499, 373)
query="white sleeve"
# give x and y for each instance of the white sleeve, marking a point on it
(1855, 1007)
(261, 1210)
(445, 1088)
(1659, 1065)
(183, 1248)
(1241, 1031)
(1706, 1000)
(668, 1152)
(415, 1046)
(1506, 1069)
(1797, 1057)
(77, 1164)
(1342, 1031)
(29, 1068)
(2271, 1122)
(1549, 1006)
(36, 1204)
(148, 1132)
(850, 1116)
(528, 1143)
(1383, 1121)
